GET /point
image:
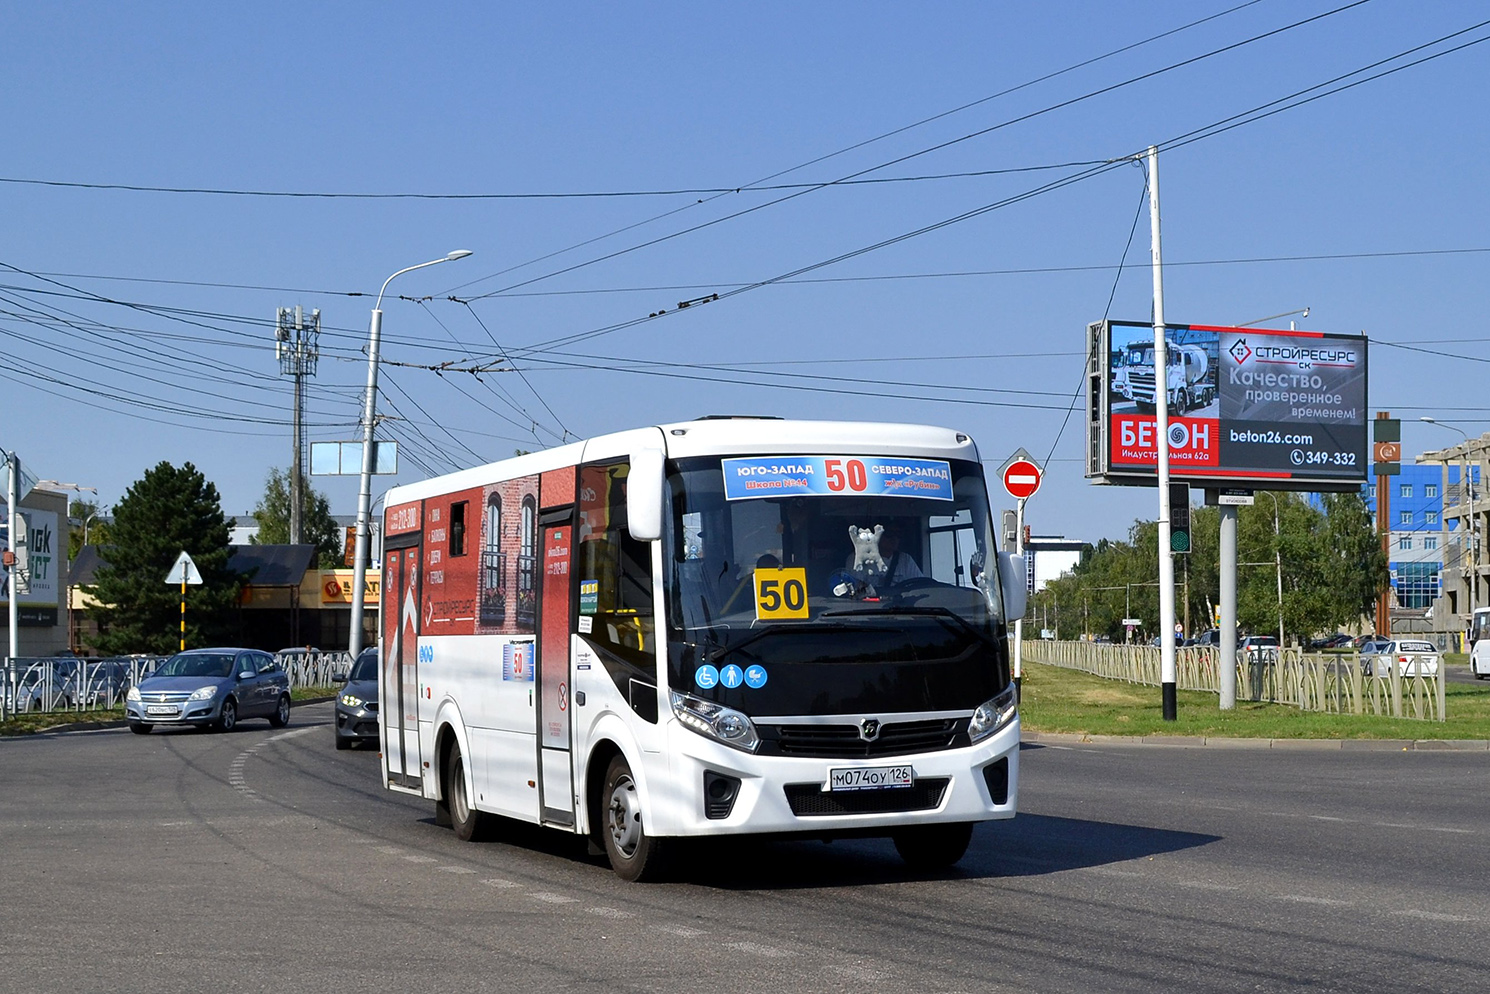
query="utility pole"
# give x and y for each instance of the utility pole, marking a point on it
(296, 346)
(1167, 677)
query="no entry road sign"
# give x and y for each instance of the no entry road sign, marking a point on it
(1021, 479)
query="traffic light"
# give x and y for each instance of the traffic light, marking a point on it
(1179, 517)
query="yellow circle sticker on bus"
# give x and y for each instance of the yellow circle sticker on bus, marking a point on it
(780, 593)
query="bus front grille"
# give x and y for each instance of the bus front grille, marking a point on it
(896, 738)
(809, 800)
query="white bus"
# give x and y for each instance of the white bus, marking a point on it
(1479, 643)
(724, 626)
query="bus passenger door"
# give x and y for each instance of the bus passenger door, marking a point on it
(400, 706)
(555, 764)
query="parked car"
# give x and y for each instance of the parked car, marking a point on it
(1412, 657)
(1210, 637)
(1339, 640)
(210, 688)
(1259, 648)
(1360, 641)
(357, 702)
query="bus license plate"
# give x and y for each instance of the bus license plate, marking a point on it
(870, 777)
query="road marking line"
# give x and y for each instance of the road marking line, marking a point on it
(1327, 818)
(390, 850)
(1202, 885)
(1432, 916)
(553, 898)
(416, 858)
(235, 770)
(454, 869)
(682, 930)
(1423, 828)
(500, 883)
(756, 949)
(857, 972)
(610, 913)
(1309, 899)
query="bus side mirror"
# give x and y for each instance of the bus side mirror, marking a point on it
(1012, 582)
(644, 485)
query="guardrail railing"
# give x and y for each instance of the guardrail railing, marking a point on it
(1331, 682)
(70, 683)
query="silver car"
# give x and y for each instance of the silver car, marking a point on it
(210, 688)
(1413, 657)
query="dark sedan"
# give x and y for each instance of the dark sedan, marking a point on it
(211, 688)
(357, 703)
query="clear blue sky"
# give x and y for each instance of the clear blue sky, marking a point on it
(471, 98)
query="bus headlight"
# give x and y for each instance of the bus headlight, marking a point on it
(715, 721)
(992, 715)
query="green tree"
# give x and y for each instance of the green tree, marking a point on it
(1332, 570)
(97, 530)
(317, 527)
(168, 511)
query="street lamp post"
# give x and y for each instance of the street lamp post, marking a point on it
(1468, 487)
(364, 493)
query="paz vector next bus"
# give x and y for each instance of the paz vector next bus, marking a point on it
(720, 627)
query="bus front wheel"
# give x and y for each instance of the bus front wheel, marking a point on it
(933, 847)
(633, 854)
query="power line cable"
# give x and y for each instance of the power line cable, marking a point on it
(1045, 188)
(857, 145)
(924, 151)
(569, 195)
(496, 390)
(1143, 196)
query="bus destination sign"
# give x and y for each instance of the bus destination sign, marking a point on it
(836, 476)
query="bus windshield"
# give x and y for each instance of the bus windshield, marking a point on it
(833, 603)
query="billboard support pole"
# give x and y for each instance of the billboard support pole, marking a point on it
(13, 476)
(1226, 642)
(1018, 622)
(1161, 412)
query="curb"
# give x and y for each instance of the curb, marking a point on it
(98, 726)
(1283, 745)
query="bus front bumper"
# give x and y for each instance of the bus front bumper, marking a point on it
(712, 789)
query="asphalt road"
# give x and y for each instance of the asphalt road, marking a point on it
(263, 860)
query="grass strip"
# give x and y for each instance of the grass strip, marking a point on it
(1056, 699)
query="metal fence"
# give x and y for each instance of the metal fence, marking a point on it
(1312, 681)
(67, 683)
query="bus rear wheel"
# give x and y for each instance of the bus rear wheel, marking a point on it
(469, 824)
(933, 847)
(633, 854)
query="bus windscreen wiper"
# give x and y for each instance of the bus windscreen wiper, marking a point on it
(940, 613)
(756, 636)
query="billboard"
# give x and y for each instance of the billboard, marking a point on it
(1267, 408)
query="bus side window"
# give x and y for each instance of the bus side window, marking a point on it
(620, 569)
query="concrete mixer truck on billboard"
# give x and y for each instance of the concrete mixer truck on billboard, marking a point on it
(1274, 408)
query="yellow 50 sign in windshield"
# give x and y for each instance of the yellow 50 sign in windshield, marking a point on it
(780, 594)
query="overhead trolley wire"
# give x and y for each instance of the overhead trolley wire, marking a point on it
(1183, 139)
(925, 151)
